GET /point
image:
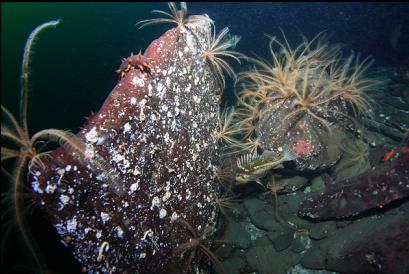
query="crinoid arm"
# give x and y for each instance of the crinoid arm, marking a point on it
(175, 16)
(25, 68)
(7, 133)
(213, 258)
(217, 49)
(7, 153)
(87, 155)
(16, 134)
(229, 132)
(155, 21)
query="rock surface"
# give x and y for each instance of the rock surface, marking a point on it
(373, 189)
(370, 245)
(148, 160)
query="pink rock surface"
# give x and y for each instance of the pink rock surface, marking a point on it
(148, 160)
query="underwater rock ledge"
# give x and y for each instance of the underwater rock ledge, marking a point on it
(148, 160)
(373, 189)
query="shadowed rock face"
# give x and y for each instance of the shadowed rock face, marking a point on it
(384, 248)
(150, 159)
(373, 189)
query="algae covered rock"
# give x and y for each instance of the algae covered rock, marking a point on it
(143, 183)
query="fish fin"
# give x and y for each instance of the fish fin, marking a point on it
(246, 159)
(289, 155)
(259, 182)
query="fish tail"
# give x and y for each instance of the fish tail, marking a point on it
(289, 155)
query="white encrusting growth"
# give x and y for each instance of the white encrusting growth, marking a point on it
(134, 187)
(64, 199)
(138, 81)
(92, 135)
(105, 217)
(127, 128)
(119, 232)
(155, 202)
(162, 213)
(72, 225)
(50, 188)
(174, 217)
(36, 185)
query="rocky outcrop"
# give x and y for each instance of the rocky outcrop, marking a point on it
(147, 161)
(373, 189)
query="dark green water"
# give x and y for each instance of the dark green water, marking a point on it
(73, 68)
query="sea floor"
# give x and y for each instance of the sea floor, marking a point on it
(264, 233)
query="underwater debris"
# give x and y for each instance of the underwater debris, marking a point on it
(373, 189)
(389, 155)
(160, 141)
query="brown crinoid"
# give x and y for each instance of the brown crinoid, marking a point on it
(307, 95)
(178, 17)
(28, 152)
(217, 49)
(217, 45)
(197, 244)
